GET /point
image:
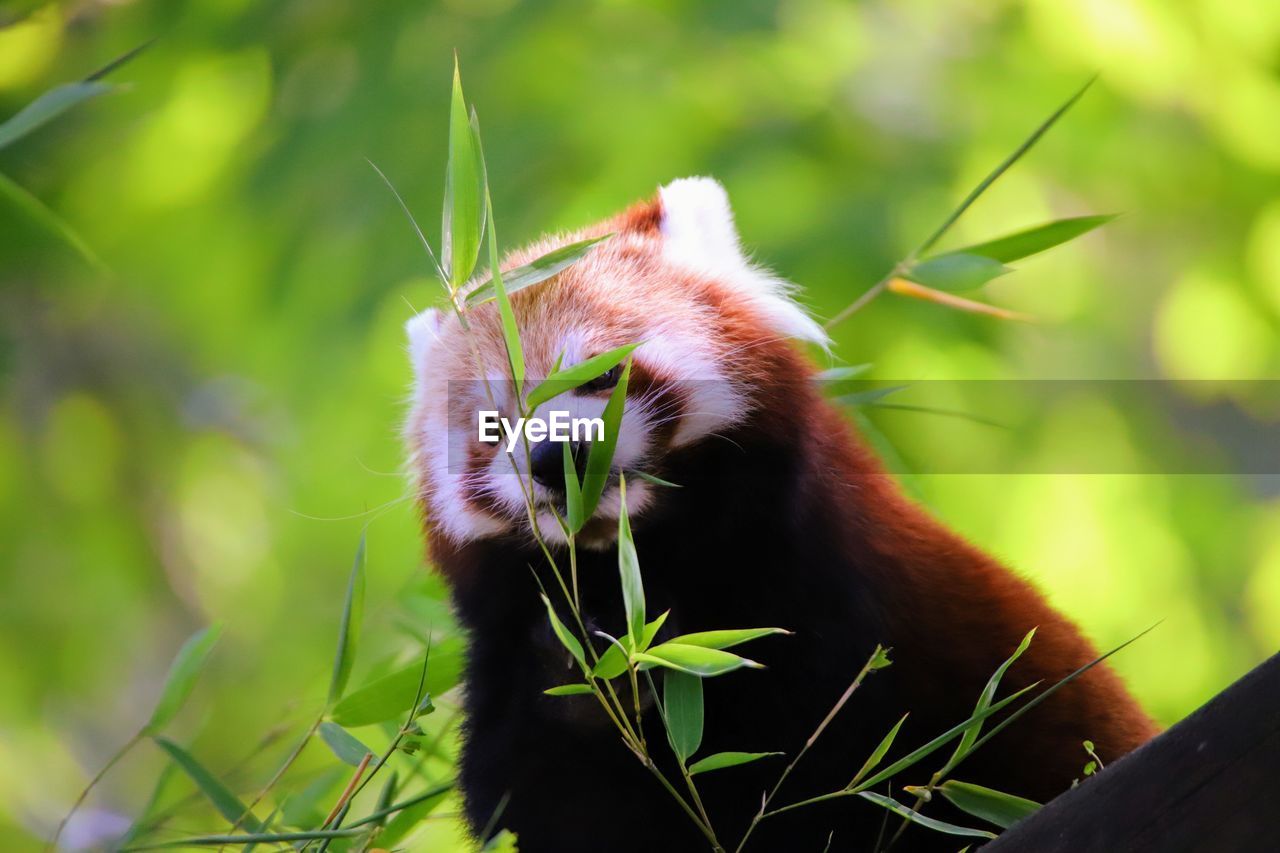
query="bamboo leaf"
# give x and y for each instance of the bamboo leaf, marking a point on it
(956, 271)
(50, 222)
(726, 759)
(694, 660)
(600, 453)
(386, 698)
(870, 396)
(566, 638)
(682, 704)
(572, 490)
(569, 690)
(1004, 810)
(915, 817)
(349, 631)
(1013, 717)
(227, 803)
(183, 673)
(726, 638)
(920, 753)
(629, 570)
(842, 374)
(984, 701)
(534, 272)
(346, 746)
(510, 331)
(49, 106)
(463, 218)
(877, 755)
(1031, 241)
(1004, 166)
(568, 378)
(654, 480)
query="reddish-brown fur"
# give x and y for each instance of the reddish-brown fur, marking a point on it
(791, 522)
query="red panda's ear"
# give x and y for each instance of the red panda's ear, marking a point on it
(697, 224)
(698, 232)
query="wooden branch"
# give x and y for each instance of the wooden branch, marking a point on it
(1210, 783)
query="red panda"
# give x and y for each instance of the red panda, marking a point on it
(783, 518)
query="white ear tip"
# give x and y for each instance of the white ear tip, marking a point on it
(697, 219)
(422, 330)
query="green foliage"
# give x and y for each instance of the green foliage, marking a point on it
(600, 455)
(346, 746)
(682, 702)
(927, 822)
(226, 802)
(1004, 810)
(536, 271)
(349, 632)
(203, 429)
(629, 570)
(183, 673)
(566, 379)
(721, 760)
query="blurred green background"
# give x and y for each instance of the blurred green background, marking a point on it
(201, 431)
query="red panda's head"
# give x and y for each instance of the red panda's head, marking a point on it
(672, 277)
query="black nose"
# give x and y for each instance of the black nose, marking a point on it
(546, 463)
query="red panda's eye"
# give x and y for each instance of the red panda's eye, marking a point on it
(604, 381)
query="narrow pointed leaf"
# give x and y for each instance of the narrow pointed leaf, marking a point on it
(725, 639)
(726, 759)
(654, 480)
(629, 570)
(46, 220)
(1013, 717)
(869, 396)
(572, 490)
(569, 690)
(600, 453)
(346, 746)
(682, 704)
(510, 331)
(694, 660)
(877, 755)
(841, 374)
(536, 271)
(568, 378)
(1004, 810)
(1003, 167)
(49, 106)
(1031, 241)
(984, 701)
(183, 673)
(957, 271)
(227, 803)
(915, 817)
(387, 698)
(566, 638)
(461, 222)
(349, 630)
(920, 753)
